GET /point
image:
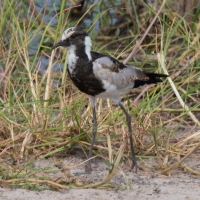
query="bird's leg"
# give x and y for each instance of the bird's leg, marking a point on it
(88, 168)
(128, 120)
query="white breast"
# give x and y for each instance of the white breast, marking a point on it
(72, 59)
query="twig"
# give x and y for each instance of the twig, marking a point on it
(49, 81)
(174, 166)
(136, 48)
(175, 110)
(191, 170)
(57, 185)
(194, 136)
(190, 61)
(86, 13)
(112, 172)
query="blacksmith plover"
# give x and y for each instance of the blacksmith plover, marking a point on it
(101, 76)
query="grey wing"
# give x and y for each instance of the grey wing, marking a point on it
(117, 74)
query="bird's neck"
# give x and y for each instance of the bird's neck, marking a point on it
(81, 51)
(79, 54)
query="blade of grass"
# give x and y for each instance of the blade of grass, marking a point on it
(162, 64)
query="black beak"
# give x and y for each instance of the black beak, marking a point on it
(60, 43)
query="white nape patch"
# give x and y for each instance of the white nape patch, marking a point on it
(67, 33)
(72, 59)
(88, 45)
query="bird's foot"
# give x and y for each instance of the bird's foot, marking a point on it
(88, 168)
(134, 164)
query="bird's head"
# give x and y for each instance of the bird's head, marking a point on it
(73, 37)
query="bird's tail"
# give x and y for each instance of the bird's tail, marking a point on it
(154, 78)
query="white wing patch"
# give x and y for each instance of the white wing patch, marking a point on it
(122, 79)
(104, 60)
(116, 82)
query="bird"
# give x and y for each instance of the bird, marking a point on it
(101, 76)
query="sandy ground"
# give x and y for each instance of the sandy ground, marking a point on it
(143, 185)
(145, 188)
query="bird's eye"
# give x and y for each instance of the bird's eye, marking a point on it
(73, 36)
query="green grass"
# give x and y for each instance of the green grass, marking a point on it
(39, 120)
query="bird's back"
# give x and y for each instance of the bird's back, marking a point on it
(105, 77)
